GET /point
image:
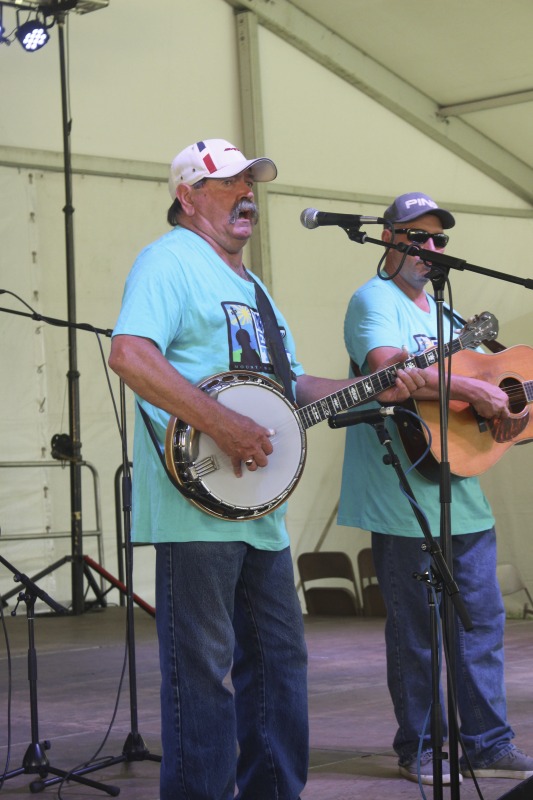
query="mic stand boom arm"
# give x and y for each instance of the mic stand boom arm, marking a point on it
(62, 323)
(437, 259)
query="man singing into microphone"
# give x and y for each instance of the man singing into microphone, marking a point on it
(383, 315)
(225, 595)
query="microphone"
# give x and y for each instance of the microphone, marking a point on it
(311, 218)
(372, 416)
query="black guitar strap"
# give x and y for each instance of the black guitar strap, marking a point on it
(355, 369)
(491, 344)
(274, 340)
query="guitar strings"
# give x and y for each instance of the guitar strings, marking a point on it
(515, 392)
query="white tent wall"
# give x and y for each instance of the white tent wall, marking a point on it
(133, 105)
(140, 96)
(354, 145)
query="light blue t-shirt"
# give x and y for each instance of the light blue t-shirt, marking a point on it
(203, 318)
(381, 315)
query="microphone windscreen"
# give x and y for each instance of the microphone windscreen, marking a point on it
(308, 218)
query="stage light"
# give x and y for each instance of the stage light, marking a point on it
(32, 35)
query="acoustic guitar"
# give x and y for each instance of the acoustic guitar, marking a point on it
(474, 443)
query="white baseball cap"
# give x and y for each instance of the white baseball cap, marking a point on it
(215, 158)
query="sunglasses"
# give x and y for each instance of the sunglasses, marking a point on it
(417, 236)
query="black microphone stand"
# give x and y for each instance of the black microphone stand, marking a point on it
(436, 576)
(440, 265)
(35, 760)
(134, 748)
(437, 277)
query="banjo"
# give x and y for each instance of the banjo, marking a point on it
(203, 472)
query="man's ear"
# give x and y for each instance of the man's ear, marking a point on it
(386, 235)
(183, 194)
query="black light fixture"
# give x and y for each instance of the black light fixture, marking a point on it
(42, 15)
(3, 38)
(32, 34)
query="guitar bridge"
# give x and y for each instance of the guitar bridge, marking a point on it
(199, 469)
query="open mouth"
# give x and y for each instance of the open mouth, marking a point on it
(244, 210)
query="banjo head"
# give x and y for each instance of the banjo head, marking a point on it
(198, 464)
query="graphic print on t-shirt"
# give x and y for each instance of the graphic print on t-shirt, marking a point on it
(424, 341)
(246, 339)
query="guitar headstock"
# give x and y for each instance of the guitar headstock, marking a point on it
(481, 327)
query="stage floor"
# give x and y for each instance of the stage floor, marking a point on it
(80, 661)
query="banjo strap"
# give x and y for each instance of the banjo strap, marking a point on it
(280, 362)
(274, 340)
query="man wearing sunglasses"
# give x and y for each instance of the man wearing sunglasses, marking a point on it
(391, 310)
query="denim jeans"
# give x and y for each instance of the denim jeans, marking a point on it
(221, 608)
(481, 701)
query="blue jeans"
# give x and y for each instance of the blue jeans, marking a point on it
(481, 701)
(225, 607)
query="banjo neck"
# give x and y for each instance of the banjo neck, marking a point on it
(368, 387)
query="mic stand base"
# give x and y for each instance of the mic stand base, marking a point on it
(35, 761)
(86, 565)
(134, 748)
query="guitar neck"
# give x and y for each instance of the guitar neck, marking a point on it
(367, 388)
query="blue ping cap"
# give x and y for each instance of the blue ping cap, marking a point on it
(415, 204)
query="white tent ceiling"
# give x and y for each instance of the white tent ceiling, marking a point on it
(460, 70)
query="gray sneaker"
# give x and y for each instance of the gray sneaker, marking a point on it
(410, 771)
(515, 764)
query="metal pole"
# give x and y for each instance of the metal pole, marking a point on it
(73, 374)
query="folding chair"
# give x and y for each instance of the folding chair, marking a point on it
(329, 600)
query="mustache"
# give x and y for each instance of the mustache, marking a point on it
(244, 206)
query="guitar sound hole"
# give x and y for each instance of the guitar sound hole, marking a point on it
(515, 393)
